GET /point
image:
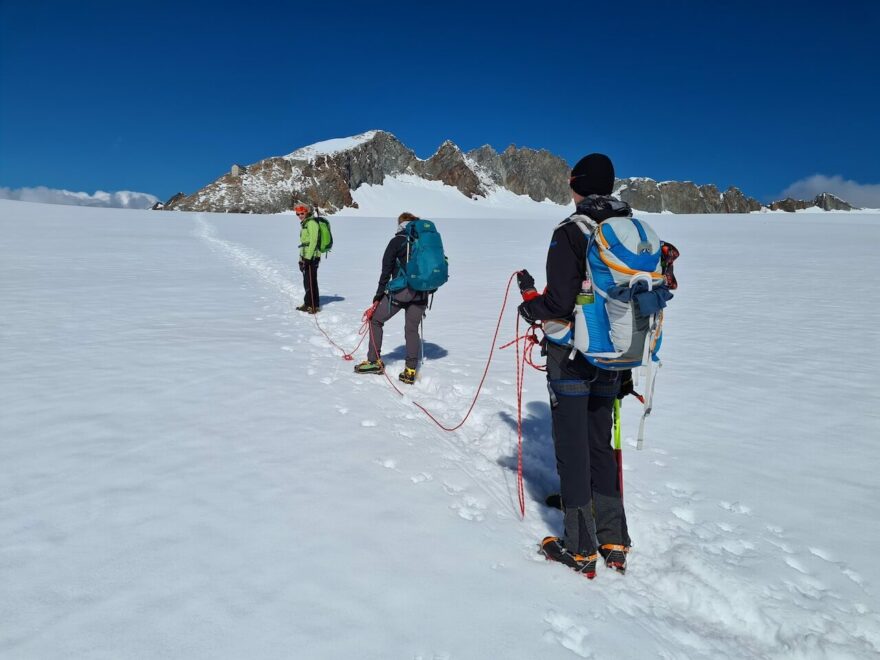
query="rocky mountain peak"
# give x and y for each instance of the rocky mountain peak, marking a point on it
(331, 147)
(825, 201)
(536, 173)
(324, 175)
(648, 195)
(448, 165)
(448, 145)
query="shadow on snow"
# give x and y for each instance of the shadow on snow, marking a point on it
(325, 300)
(432, 352)
(539, 458)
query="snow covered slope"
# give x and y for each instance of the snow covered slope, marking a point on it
(331, 147)
(435, 199)
(188, 469)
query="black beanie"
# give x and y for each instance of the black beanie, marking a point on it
(593, 175)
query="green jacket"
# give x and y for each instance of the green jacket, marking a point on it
(308, 239)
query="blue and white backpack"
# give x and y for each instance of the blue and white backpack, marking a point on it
(618, 315)
(621, 327)
(426, 268)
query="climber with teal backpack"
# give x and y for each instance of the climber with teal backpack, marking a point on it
(414, 266)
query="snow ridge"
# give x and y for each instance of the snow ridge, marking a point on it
(330, 147)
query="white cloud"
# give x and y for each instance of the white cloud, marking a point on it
(864, 195)
(122, 199)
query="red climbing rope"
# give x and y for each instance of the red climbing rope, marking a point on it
(482, 379)
(530, 340)
(362, 331)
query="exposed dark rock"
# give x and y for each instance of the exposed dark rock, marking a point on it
(642, 194)
(789, 204)
(170, 204)
(713, 202)
(682, 197)
(536, 173)
(488, 162)
(828, 202)
(533, 172)
(448, 165)
(734, 201)
(825, 201)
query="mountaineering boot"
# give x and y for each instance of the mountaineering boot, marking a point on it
(615, 556)
(611, 529)
(308, 309)
(553, 549)
(407, 376)
(367, 367)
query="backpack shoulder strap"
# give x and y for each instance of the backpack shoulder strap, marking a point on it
(406, 241)
(585, 223)
(589, 227)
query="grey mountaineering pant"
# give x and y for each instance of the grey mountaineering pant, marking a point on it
(414, 310)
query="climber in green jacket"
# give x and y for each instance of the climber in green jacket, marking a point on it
(309, 258)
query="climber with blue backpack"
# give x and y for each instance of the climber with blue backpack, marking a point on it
(414, 266)
(601, 314)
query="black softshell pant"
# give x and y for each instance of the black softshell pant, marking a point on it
(310, 282)
(582, 406)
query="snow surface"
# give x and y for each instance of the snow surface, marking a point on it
(189, 470)
(331, 147)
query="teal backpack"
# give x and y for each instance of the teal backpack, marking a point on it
(427, 268)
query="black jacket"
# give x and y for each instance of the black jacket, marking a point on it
(395, 253)
(567, 261)
(566, 269)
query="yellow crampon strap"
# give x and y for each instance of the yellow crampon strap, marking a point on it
(611, 546)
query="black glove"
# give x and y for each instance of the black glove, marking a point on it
(302, 265)
(626, 384)
(378, 297)
(525, 280)
(524, 312)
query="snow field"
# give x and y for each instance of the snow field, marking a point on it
(189, 469)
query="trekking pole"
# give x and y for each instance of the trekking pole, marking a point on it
(421, 346)
(650, 376)
(648, 400)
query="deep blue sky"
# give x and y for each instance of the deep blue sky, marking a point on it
(163, 96)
